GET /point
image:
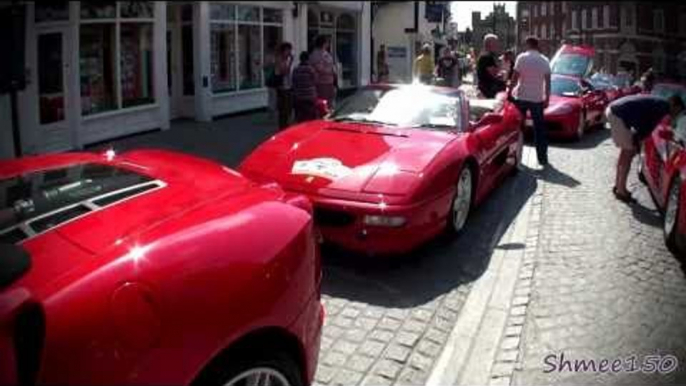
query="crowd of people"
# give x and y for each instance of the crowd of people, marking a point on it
(295, 92)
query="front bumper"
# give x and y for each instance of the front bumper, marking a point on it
(557, 126)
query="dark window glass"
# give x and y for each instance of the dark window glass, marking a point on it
(187, 54)
(98, 10)
(97, 61)
(137, 9)
(52, 11)
(136, 62)
(50, 78)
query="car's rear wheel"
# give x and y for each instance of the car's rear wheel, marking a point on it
(672, 209)
(462, 201)
(255, 368)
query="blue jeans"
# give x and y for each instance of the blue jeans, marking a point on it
(540, 135)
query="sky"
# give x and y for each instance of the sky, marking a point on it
(462, 11)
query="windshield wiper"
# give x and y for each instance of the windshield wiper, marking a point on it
(363, 120)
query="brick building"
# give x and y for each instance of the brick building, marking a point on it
(499, 22)
(626, 35)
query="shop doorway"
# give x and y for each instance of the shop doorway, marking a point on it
(180, 76)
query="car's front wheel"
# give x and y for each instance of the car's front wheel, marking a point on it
(269, 368)
(672, 209)
(462, 201)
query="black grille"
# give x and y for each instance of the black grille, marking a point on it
(12, 237)
(58, 218)
(120, 196)
(334, 218)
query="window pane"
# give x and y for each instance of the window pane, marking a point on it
(97, 68)
(272, 39)
(222, 12)
(100, 10)
(137, 9)
(187, 58)
(136, 64)
(56, 11)
(250, 61)
(345, 54)
(272, 15)
(50, 82)
(187, 12)
(346, 22)
(246, 13)
(223, 57)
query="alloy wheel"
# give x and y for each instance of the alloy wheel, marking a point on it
(259, 376)
(463, 200)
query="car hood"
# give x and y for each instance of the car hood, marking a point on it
(343, 156)
(562, 104)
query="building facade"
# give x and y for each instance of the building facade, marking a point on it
(630, 36)
(498, 22)
(102, 70)
(403, 27)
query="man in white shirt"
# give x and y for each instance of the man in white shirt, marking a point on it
(531, 85)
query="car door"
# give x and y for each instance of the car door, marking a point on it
(662, 155)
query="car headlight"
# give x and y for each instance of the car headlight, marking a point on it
(384, 221)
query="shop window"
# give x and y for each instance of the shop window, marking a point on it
(136, 9)
(345, 49)
(222, 12)
(54, 11)
(50, 78)
(247, 13)
(272, 15)
(187, 12)
(659, 21)
(223, 41)
(136, 60)
(97, 62)
(187, 59)
(272, 38)
(99, 10)
(249, 57)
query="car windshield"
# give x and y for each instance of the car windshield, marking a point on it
(564, 87)
(666, 91)
(571, 64)
(413, 106)
(35, 202)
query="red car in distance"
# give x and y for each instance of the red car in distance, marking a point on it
(575, 106)
(573, 60)
(663, 170)
(153, 268)
(394, 165)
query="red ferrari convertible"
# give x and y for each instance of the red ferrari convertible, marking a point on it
(394, 165)
(663, 167)
(153, 268)
(575, 106)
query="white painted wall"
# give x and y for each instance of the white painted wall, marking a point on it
(389, 29)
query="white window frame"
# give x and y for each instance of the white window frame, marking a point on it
(118, 21)
(659, 20)
(235, 23)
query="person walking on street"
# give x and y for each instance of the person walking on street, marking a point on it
(487, 69)
(632, 119)
(325, 69)
(531, 86)
(382, 71)
(424, 66)
(304, 90)
(507, 65)
(284, 62)
(447, 68)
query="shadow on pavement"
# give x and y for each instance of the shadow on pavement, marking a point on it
(553, 175)
(647, 216)
(592, 138)
(439, 267)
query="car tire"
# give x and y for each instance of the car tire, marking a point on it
(580, 127)
(671, 217)
(280, 367)
(461, 204)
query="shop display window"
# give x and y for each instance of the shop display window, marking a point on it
(50, 78)
(97, 61)
(223, 57)
(248, 13)
(222, 12)
(250, 57)
(272, 15)
(54, 11)
(137, 9)
(98, 10)
(136, 61)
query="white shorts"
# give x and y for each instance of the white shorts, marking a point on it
(621, 135)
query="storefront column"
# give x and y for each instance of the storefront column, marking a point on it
(364, 31)
(161, 66)
(300, 27)
(201, 58)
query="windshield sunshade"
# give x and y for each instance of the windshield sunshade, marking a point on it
(37, 202)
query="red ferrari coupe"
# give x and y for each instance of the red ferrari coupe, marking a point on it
(663, 169)
(575, 106)
(153, 268)
(394, 165)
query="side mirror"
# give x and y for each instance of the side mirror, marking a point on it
(667, 135)
(490, 119)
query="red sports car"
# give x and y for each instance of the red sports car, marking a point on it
(575, 106)
(394, 165)
(663, 169)
(153, 268)
(573, 60)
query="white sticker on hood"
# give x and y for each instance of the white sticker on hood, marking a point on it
(329, 168)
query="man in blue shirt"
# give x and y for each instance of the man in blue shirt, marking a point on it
(632, 119)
